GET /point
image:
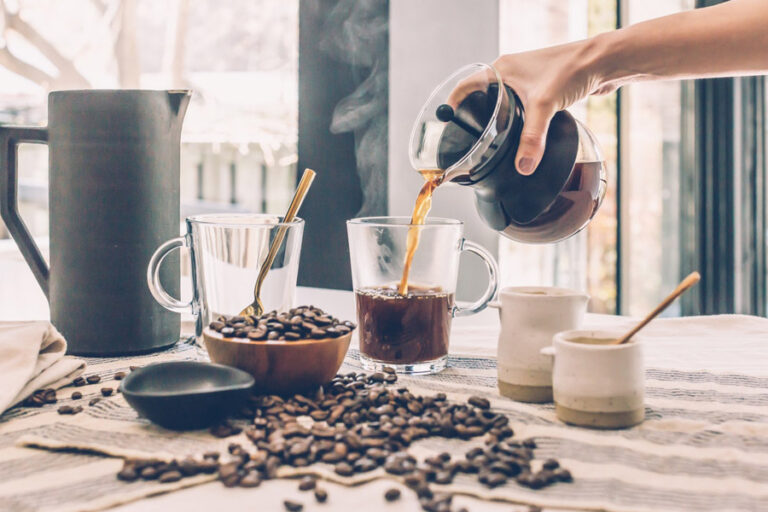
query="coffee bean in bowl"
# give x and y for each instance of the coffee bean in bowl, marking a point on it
(285, 352)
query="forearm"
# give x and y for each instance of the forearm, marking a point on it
(725, 40)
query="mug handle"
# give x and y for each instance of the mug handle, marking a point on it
(10, 138)
(493, 280)
(153, 277)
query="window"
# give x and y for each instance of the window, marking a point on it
(628, 257)
(239, 141)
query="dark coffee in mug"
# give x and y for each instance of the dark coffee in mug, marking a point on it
(404, 329)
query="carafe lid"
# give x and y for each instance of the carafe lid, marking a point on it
(464, 123)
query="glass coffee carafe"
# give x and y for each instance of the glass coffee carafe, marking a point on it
(470, 129)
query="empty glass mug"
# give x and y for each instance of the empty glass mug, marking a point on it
(227, 252)
(409, 332)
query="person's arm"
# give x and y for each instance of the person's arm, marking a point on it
(725, 40)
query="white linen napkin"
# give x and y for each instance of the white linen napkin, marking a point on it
(31, 358)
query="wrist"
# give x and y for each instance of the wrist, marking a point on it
(604, 59)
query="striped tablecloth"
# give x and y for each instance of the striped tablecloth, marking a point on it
(703, 445)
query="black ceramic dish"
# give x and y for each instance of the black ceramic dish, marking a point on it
(185, 395)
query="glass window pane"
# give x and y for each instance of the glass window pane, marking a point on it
(240, 57)
(651, 131)
(586, 261)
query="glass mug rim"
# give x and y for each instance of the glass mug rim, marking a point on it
(401, 221)
(242, 220)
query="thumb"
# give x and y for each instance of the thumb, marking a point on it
(532, 139)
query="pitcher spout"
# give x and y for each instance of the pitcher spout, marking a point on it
(178, 101)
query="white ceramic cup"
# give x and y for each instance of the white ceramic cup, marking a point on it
(530, 317)
(597, 383)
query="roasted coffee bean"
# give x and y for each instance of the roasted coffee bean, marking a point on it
(252, 479)
(94, 401)
(479, 402)
(76, 395)
(68, 409)
(563, 475)
(392, 494)
(107, 391)
(149, 473)
(550, 464)
(93, 379)
(170, 476)
(529, 443)
(79, 381)
(227, 332)
(321, 495)
(344, 469)
(119, 375)
(443, 477)
(224, 430)
(293, 506)
(128, 474)
(363, 465)
(307, 483)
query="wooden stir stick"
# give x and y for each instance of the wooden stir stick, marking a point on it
(256, 308)
(686, 283)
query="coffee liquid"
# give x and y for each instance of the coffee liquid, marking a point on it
(404, 329)
(432, 179)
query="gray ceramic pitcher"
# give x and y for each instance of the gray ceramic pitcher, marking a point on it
(114, 197)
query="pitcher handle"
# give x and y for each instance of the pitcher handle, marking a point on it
(493, 280)
(153, 277)
(10, 138)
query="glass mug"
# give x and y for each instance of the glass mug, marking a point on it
(409, 332)
(227, 252)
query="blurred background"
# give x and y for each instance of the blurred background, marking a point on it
(335, 85)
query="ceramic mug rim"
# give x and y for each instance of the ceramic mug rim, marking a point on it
(561, 338)
(526, 291)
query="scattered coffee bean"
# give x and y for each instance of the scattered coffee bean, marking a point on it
(550, 464)
(307, 483)
(392, 494)
(293, 506)
(94, 401)
(132, 368)
(119, 375)
(170, 476)
(358, 422)
(79, 381)
(128, 474)
(93, 379)
(321, 495)
(225, 430)
(252, 479)
(479, 402)
(68, 409)
(106, 391)
(344, 469)
(76, 395)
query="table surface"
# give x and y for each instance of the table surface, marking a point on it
(475, 335)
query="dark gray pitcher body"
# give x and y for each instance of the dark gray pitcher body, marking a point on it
(114, 197)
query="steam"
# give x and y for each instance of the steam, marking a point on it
(356, 32)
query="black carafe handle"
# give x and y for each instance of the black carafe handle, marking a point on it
(10, 138)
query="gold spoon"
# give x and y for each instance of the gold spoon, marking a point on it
(256, 308)
(686, 283)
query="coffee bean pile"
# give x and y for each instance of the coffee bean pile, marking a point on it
(41, 397)
(304, 322)
(358, 423)
(166, 472)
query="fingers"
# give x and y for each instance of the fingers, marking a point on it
(533, 137)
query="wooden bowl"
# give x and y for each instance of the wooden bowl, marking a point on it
(280, 367)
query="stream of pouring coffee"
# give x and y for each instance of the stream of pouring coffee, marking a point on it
(432, 179)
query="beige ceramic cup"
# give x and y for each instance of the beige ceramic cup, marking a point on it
(595, 383)
(530, 316)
